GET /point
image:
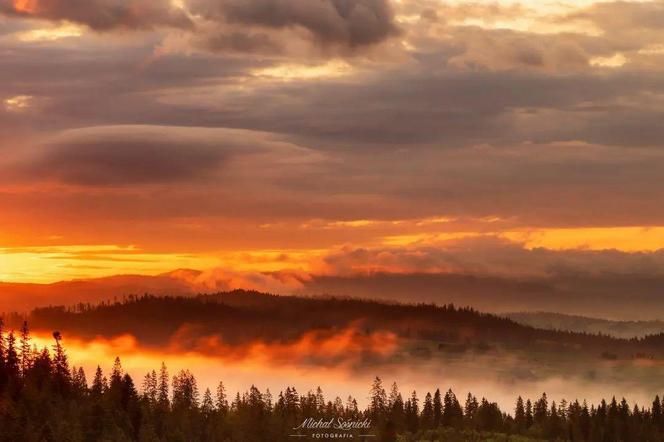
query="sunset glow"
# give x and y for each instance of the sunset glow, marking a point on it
(26, 6)
(460, 197)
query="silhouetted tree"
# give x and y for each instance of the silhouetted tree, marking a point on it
(427, 412)
(437, 409)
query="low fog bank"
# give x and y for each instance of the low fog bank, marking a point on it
(498, 377)
(582, 324)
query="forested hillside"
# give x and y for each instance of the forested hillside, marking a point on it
(242, 316)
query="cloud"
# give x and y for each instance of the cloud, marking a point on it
(624, 16)
(102, 15)
(351, 23)
(126, 156)
(488, 255)
(222, 279)
(130, 155)
(496, 275)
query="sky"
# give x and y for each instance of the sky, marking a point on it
(330, 137)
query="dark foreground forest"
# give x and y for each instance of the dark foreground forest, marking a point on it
(42, 398)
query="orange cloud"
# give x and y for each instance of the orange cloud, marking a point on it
(26, 6)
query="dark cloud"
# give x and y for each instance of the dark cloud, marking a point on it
(102, 15)
(130, 155)
(346, 22)
(424, 103)
(240, 41)
(124, 157)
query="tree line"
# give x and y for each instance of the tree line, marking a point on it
(43, 398)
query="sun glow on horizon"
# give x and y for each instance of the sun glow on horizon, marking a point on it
(66, 30)
(48, 264)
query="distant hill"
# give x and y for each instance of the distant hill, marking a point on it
(24, 297)
(583, 324)
(620, 297)
(240, 317)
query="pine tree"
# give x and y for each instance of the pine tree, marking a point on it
(207, 407)
(656, 412)
(25, 350)
(412, 411)
(585, 422)
(4, 376)
(79, 380)
(452, 413)
(520, 414)
(437, 409)
(185, 390)
(150, 387)
(427, 412)
(529, 414)
(554, 427)
(2, 340)
(163, 389)
(115, 386)
(267, 399)
(60, 364)
(394, 393)
(470, 410)
(377, 398)
(351, 407)
(222, 401)
(128, 393)
(540, 410)
(319, 400)
(98, 385)
(11, 358)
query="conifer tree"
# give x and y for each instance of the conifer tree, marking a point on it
(60, 364)
(3, 366)
(25, 356)
(437, 409)
(79, 380)
(529, 414)
(163, 388)
(319, 400)
(98, 384)
(394, 393)
(377, 398)
(11, 358)
(520, 414)
(452, 413)
(207, 407)
(351, 407)
(427, 412)
(470, 410)
(540, 410)
(185, 390)
(268, 399)
(150, 385)
(656, 412)
(221, 398)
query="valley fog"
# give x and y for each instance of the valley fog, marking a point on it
(499, 378)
